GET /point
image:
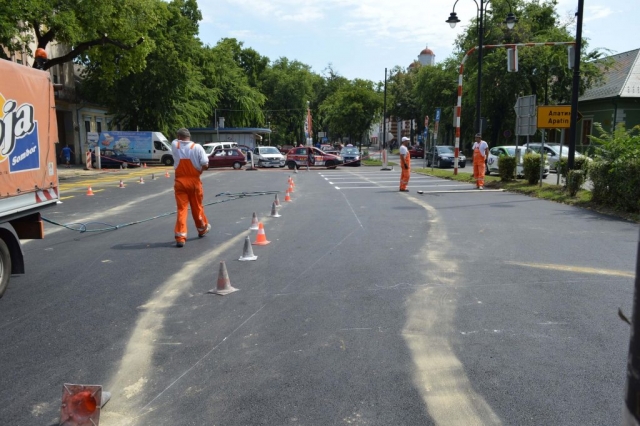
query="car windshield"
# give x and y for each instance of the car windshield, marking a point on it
(269, 150)
(208, 149)
(445, 150)
(349, 151)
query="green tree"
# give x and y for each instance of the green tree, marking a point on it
(170, 92)
(107, 31)
(353, 108)
(288, 86)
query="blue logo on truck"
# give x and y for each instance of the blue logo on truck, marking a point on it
(18, 136)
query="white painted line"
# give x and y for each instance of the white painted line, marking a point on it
(412, 186)
(372, 181)
(337, 187)
(462, 190)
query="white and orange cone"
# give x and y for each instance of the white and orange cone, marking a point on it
(290, 188)
(223, 287)
(254, 222)
(287, 197)
(121, 184)
(141, 179)
(261, 238)
(166, 174)
(89, 192)
(274, 210)
(247, 251)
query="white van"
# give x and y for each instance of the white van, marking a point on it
(212, 146)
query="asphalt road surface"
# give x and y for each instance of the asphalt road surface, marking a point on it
(368, 307)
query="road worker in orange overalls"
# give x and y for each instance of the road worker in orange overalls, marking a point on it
(480, 152)
(189, 161)
(405, 165)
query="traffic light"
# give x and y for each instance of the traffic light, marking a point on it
(512, 59)
(81, 404)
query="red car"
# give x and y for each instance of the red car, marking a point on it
(298, 157)
(227, 158)
(416, 152)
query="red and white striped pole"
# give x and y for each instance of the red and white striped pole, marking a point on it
(458, 112)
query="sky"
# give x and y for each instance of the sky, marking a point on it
(360, 38)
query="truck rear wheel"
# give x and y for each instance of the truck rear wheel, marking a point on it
(5, 267)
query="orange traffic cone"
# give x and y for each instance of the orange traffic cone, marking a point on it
(290, 189)
(121, 184)
(254, 222)
(144, 165)
(224, 285)
(261, 238)
(89, 191)
(166, 174)
(277, 202)
(247, 251)
(287, 198)
(141, 179)
(274, 210)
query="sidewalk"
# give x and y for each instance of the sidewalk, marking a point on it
(78, 170)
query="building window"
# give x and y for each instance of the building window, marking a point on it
(98, 125)
(87, 124)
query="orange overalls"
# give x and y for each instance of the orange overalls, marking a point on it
(405, 165)
(478, 167)
(188, 190)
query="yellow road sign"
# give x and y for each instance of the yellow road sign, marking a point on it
(554, 117)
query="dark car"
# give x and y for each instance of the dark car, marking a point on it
(227, 158)
(117, 159)
(442, 156)
(246, 151)
(416, 152)
(351, 156)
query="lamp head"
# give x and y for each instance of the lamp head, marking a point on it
(453, 19)
(511, 20)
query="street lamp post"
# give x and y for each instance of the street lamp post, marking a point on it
(453, 20)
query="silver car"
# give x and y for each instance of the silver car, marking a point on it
(552, 151)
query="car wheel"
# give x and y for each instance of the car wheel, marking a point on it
(168, 161)
(438, 164)
(463, 165)
(5, 267)
(291, 165)
(330, 164)
(237, 165)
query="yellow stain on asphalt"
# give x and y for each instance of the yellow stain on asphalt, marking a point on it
(576, 269)
(66, 198)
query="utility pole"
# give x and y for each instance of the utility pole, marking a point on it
(573, 128)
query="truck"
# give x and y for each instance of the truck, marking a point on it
(149, 147)
(28, 170)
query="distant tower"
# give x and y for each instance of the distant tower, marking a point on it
(427, 57)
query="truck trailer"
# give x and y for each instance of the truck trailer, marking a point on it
(28, 170)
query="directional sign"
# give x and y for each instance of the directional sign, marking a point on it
(438, 114)
(554, 117)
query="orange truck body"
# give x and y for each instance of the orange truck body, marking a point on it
(28, 169)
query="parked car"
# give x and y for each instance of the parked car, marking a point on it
(268, 156)
(210, 147)
(416, 152)
(497, 151)
(227, 158)
(117, 159)
(298, 157)
(442, 156)
(350, 156)
(552, 151)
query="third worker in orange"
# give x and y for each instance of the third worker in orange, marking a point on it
(405, 165)
(480, 152)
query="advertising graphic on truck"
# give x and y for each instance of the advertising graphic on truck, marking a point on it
(28, 171)
(149, 147)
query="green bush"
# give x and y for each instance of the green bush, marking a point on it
(575, 179)
(507, 167)
(615, 173)
(581, 163)
(531, 167)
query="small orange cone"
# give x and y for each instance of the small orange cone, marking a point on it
(290, 189)
(144, 165)
(223, 286)
(254, 222)
(121, 184)
(141, 179)
(89, 191)
(261, 238)
(287, 198)
(166, 174)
